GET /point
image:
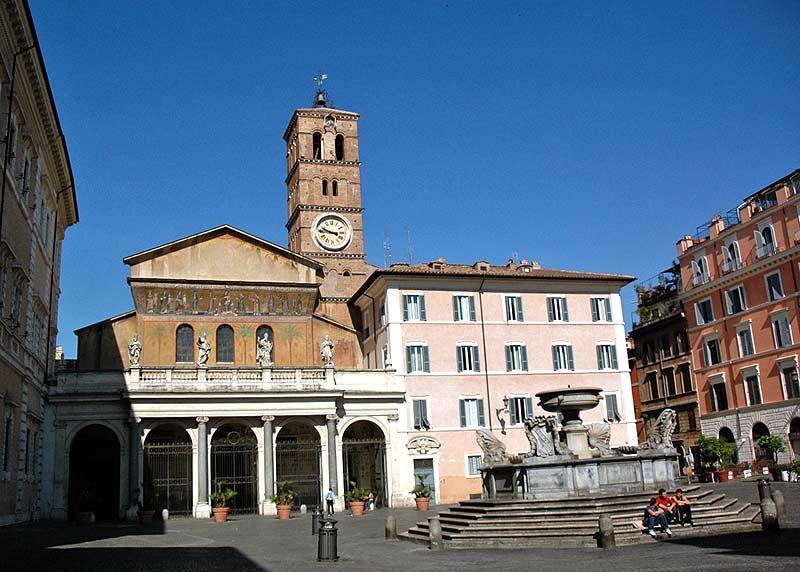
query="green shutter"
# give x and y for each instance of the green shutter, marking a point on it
(481, 416)
(405, 308)
(426, 361)
(512, 411)
(423, 407)
(472, 308)
(528, 407)
(459, 361)
(456, 317)
(613, 357)
(570, 359)
(595, 309)
(462, 411)
(408, 359)
(555, 357)
(476, 359)
(564, 310)
(550, 310)
(422, 307)
(607, 303)
(599, 357)
(509, 364)
(524, 353)
(518, 304)
(417, 414)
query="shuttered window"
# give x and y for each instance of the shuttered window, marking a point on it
(519, 409)
(606, 357)
(471, 412)
(464, 308)
(421, 414)
(601, 310)
(782, 331)
(563, 358)
(413, 308)
(516, 357)
(468, 358)
(514, 309)
(473, 465)
(557, 310)
(417, 359)
(612, 408)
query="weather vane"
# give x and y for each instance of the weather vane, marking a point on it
(320, 80)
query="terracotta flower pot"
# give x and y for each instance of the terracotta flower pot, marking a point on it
(357, 508)
(284, 511)
(722, 476)
(423, 503)
(221, 513)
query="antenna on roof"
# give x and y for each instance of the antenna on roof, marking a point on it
(409, 246)
(387, 248)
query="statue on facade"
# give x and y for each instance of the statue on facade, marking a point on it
(540, 432)
(180, 302)
(195, 303)
(326, 351)
(494, 451)
(660, 437)
(226, 302)
(256, 304)
(204, 350)
(150, 302)
(599, 436)
(240, 305)
(264, 351)
(134, 351)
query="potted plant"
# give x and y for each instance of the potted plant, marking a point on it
(716, 451)
(220, 499)
(794, 470)
(773, 444)
(283, 499)
(422, 496)
(356, 497)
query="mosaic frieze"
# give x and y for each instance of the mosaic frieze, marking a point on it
(224, 302)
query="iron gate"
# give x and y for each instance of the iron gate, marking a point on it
(168, 477)
(366, 456)
(234, 461)
(298, 462)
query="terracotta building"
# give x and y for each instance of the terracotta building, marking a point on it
(664, 368)
(37, 205)
(739, 276)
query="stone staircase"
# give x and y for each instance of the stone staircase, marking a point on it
(574, 521)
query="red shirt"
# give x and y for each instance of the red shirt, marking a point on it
(665, 501)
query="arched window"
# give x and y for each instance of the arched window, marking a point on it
(317, 146)
(184, 344)
(324, 187)
(340, 147)
(726, 435)
(336, 188)
(224, 344)
(760, 430)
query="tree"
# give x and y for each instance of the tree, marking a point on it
(715, 450)
(772, 444)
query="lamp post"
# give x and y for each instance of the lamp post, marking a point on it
(498, 411)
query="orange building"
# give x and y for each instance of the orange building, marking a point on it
(740, 293)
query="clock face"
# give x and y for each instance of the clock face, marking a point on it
(332, 232)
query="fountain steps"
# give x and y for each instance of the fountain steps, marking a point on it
(573, 522)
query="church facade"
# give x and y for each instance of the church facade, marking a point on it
(247, 363)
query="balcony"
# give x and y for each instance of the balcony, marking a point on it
(731, 265)
(766, 250)
(700, 279)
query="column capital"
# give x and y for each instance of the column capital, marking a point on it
(202, 419)
(332, 417)
(268, 418)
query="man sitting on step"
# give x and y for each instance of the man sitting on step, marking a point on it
(667, 504)
(653, 515)
(683, 508)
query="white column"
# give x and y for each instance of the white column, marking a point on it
(202, 509)
(268, 467)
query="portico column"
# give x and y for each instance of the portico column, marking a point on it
(133, 468)
(269, 484)
(333, 472)
(203, 510)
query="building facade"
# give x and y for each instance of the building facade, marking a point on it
(37, 205)
(664, 368)
(248, 363)
(739, 279)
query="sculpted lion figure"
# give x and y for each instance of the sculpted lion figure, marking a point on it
(494, 451)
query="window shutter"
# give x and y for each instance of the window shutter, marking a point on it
(456, 317)
(595, 309)
(513, 411)
(472, 308)
(570, 359)
(459, 359)
(408, 359)
(518, 304)
(564, 310)
(760, 242)
(481, 416)
(528, 407)
(476, 359)
(786, 334)
(550, 310)
(422, 308)
(524, 354)
(417, 414)
(405, 308)
(509, 364)
(462, 411)
(555, 357)
(599, 357)
(426, 361)
(607, 304)
(426, 424)
(614, 357)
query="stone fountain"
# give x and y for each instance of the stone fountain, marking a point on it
(569, 458)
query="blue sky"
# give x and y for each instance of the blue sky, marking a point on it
(587, 136)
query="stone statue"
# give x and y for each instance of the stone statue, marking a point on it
(540, 433)
(240, 305)
(134, 351)
(256, 304)
(204, 350)
(599, 435)
(326, 351)
(225, 302)
(494, 451)
(264, 351)
(661, 435)
(150, 302)
(195, 303)
(180, 302)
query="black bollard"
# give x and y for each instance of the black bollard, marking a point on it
(316, 514)
(764, 489)
(327, 550)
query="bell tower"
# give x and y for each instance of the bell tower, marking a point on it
(323, 184)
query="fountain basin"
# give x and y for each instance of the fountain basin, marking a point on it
(570, 401)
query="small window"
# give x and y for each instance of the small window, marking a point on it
(474, 465)
(685, 371)
(420, 407)
(736, 300)
(791, 382)
(692, 419)
(753, 389)
(184, 344)
(468, 358)
(612, 408)
(745, 338)
(471, 412)
(417, 359)
(324, 187)
(782, 331)
(651, 380)
(365, 320)
(557, 310)
(711, 352)
(704, 312)
(464, 308)
(669, 381)
(317, 146)
(225, 344)
(520, 408)
(719, 397)
(774, 287)
(335, 185)
(514, 309)
(413, 308)
(340, 147)
(516, 357)
(563, 358)
(606, 357)
(601, 310)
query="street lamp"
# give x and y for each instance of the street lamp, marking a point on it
(498, 411)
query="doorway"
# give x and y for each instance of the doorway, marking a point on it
(424, 475)
(94, 459)
(364, 456)
(168, 470)
(234, 462)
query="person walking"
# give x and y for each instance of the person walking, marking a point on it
(330, 499)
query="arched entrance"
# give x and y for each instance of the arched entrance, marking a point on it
(94, 457)
(761, 454)
(168, 470)
(364, 457)
(297, 454)
(794, 436)
(234, 461)
(726, 435)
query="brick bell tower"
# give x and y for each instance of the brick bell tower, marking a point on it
(323, 184)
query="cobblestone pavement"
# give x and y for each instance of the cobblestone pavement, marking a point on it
(257, 544)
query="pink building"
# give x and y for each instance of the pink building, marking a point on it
(474, 344)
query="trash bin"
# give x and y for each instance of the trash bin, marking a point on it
(316, 516)
(326, 547)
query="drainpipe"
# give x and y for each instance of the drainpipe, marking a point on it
(485, 355)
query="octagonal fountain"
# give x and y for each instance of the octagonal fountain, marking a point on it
(570, 458)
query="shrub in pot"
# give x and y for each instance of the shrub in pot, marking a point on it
(219, 501)
(715, 451)
(283, 499)
(422, 496)
(772, 444)
(356, 497)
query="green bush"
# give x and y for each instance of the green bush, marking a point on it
(772, 444)
(284, 494)
(221, 497)
(715, 450)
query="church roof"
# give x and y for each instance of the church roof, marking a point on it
(224, 229)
